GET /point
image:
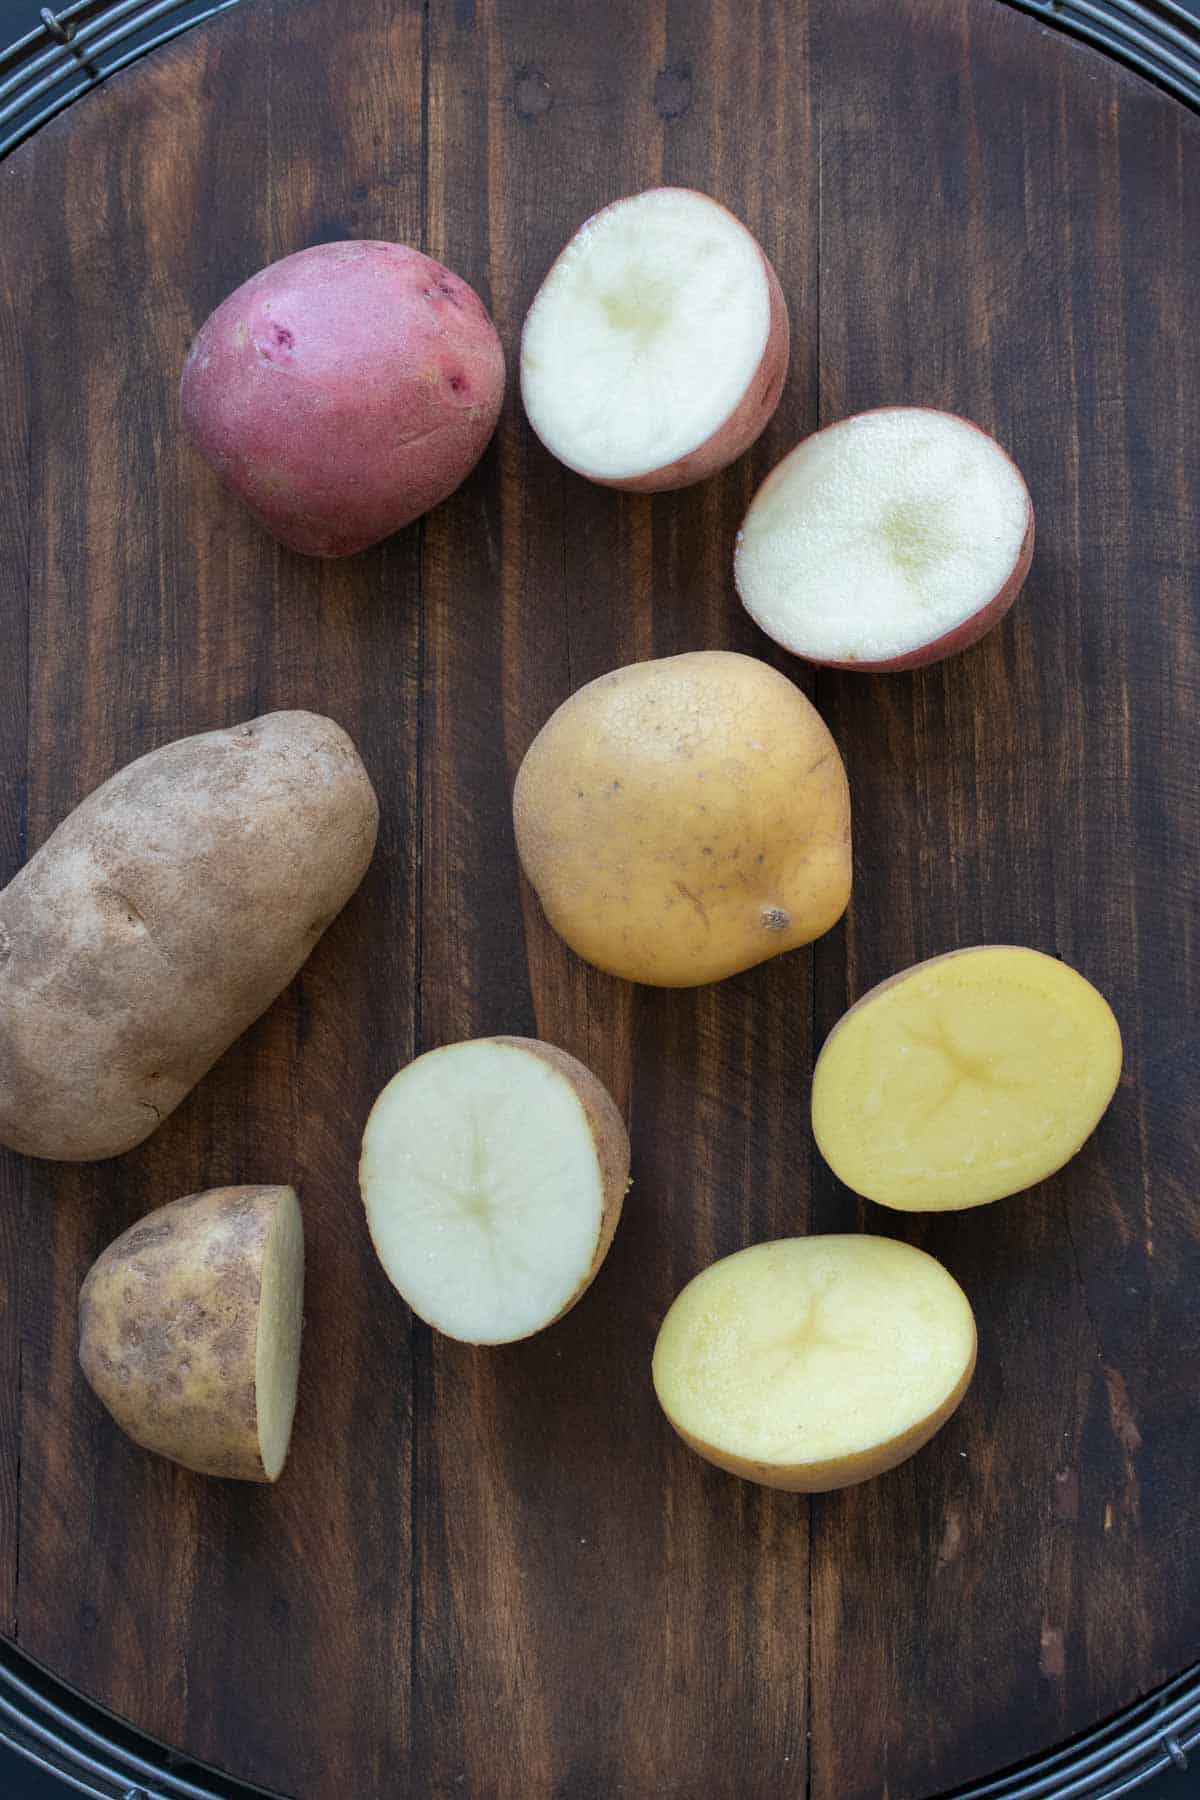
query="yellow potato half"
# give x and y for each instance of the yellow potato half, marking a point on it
(965, 1078)
(814, 1363)
(685, 818)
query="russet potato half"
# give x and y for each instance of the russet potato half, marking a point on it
(189, 1329)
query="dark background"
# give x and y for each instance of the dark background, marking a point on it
(18, 1779)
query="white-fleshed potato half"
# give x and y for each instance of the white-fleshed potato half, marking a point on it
(965, 1078)
(189, 1330)
(656, 349)
(493, 1173)
(815, 1362)
(887, 541)
(162, 917)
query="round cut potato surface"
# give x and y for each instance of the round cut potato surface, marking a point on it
(964, 1079)
(813, 1363)
(493, 1173)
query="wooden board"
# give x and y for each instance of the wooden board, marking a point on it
(497, 1573)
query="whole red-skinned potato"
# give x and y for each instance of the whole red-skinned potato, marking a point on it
(344, 391)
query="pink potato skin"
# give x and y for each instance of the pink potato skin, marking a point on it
(968, 631)
(343, 391)
(746, 422)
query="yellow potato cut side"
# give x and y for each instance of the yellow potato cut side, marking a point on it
(814, 1363)
(277, 1344)
(492, 1174)
(966, 1078)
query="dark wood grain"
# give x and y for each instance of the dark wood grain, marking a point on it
(497, 1573)
(14, 590)
(1031, 791)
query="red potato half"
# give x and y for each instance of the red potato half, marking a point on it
(344, 391)
(656, 349)
(888, 541)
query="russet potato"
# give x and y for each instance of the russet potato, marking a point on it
(162, 917)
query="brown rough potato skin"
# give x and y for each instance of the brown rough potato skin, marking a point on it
(162, 917)
(608, 1134)
(168, 1326)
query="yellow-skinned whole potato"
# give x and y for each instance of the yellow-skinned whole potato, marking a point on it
(685, 818)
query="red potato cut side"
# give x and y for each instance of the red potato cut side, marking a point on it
(888, 541)
(656, 349)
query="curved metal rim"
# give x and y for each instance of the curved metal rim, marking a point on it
(1157, 38)
(96, 1754)
(92, 1751)
(75, 50)
(42, 1719)
(92, 42)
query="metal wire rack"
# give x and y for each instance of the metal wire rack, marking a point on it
(75, 49)
(66, 55)
(1158, 38)
(95, 1755)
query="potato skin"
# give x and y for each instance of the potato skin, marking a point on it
(343, 391)
(168, 1329)
(686, 818)
(162, 917)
